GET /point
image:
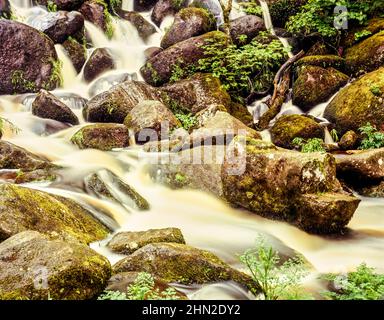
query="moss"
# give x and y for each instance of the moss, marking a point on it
(324, 61)
(56, 78)
(18, 81)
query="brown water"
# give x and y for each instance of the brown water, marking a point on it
(205, 221)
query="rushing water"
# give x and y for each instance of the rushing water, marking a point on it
(205, 221)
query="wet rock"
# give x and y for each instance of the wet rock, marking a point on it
(195, 93)
(14, 157)
(95, 11)
(324, 61)
(102, 136)
(106, 184)
(122, 281)
(24, 209)
(144, 28)
(128, 242)
(358, 103)
(211, 6)
(188, 22)
(249, 26)
(143, 5)
(149, 120)
(60, 25)
(375, 190)
(180, 263)
(315, 85)
(62, 4)
(240, 112)
(5, 9)
(47, 269)
(47, 106)
(106, 82)
(367, 55)
(152, 51)
(115, 104)
(349, 140)
(35, 176)
(208, 113)
(164, 8)
(28, 59)
(160, 68)
(76, 52)
(289, 127)
(100, 61)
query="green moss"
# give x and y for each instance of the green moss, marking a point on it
(18, 81)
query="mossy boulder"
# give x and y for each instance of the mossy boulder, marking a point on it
(248, 26)
(47, 106)
(100, 61)
(102, 136)
(211, 6)
(315, 85)
(96, 11)
(289, 127)
(372, 26)
(281, 10)
(24, 209)
(143, 5)
(34, 176)
(149, 120)
(143, 27)
(172, 61)
(367, 55)
(28, 59)
(115, 104)
(14, 157)
(324, 61)
(127, 242)
(358, 103)
(164, 8)
(349, 140)
(105, 184)
(174, 262)
(76, 52)
(188, 22)
(36, 268)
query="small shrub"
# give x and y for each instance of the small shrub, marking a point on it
(373, 139)
(310, 145)
(51, 6)
(188, 121)
(252, 7)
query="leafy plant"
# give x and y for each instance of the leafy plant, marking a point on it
(362, 34)
(51, 6)
(334, 135)
(276, 280)
(188, 120)
(375, 89)
(373, 139)
(113, 295)
(252, 7)
(18, 80)
(310, 145)
(362, 284)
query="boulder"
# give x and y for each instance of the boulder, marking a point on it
(373, 25)
(5, 9)
(62, 4)
(349, 140)
(373, 190)
(282, 10)
(143, 5)
(367, 55)
(174, 262)
(36, 268)
(14, 157)
(186, 54)
(188, 22)
(144, 28)
(127, 242)
(315, 85)
(102, 136)
(115, 104)
(323, 61)
(24, 209)
(212, 6)
(35, 176)
(28, 59)
(164, 8)
(95, 11)
(76, 52)
(358, 103)
(150, 120)
(47, 106)
(249, 26)
(289, 127)
(60, 25)
(100, 61)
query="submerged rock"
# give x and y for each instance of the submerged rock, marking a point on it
(289, 127)
(47, 106)
(24, 209)
(28, 59)
(358, 103)
(188, 22)
(102, 136)
(100, 61)
(180, 263)
(47, 269)
(127, 242)
(164, 8)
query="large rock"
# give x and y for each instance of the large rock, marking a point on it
(36, 268)
(28, 59)
(180, 263)
(144, 28)
(60, 25)
(367, 55)
(359, 103)
(249, 26)
(47, 106)
(315, 85)
(14, 157)
(102, 136)
(62, 4)
(127, 242)
(76, 52)
(281, 10)
(289, 127)
(324, 61)
(164, 8)
(212, 6)
(186, 54)
(100, 61)
(95, 11)
(188, 22)
(115, 104)
(149, 120)
(24, 209)
(5, 9)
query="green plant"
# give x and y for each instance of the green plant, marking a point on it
(362, 34)
(334, 135)
(18, 80)
(375, 89)
(51, 6)
(276, 280)
(362, 284)
(252, 7)
(373, 139)
(113, 295)
(178, 73)
(188, 120)
(310, 145)
(56, 77)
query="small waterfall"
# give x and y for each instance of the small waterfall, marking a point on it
(69, 73)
